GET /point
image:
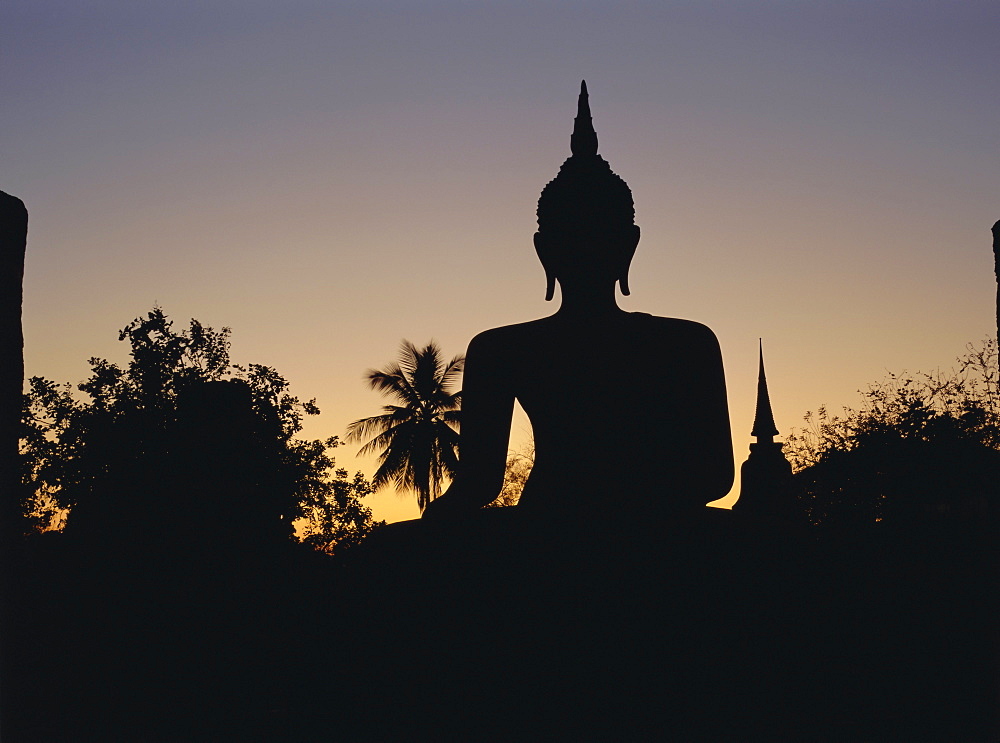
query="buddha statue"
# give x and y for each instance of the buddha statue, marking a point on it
(628, 410)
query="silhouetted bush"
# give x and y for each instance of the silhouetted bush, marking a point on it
(921, 446)
(182, 442)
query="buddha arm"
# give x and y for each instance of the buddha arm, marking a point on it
(487, 408)
(710, 431)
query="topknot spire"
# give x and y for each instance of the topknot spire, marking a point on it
(583, 141)
(763, 420)
(586, 194)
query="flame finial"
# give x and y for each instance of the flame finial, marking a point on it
(583, 141)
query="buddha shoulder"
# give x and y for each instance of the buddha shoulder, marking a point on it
(546, 327)
(687, 329)
(499, 340)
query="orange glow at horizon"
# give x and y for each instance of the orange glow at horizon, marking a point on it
(328, 180)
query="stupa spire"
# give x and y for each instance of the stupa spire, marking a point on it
(583, 141)
(763, 420)
(768, 489)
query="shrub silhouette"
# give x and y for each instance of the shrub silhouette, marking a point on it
(182, 439)
(923, 445)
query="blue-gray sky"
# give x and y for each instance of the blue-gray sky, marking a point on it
(327, 178)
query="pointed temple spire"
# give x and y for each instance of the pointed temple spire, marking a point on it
(763, 420)
(768, 490)
(583, 141)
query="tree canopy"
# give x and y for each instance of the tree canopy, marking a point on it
(182, 438)
(921, 445)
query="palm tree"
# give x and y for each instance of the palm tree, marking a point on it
(418, 438)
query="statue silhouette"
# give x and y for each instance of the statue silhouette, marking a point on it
(628, 410)
(632, 439)
(564, 591)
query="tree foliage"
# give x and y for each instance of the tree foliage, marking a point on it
(333, 516)
(920, 445)
(519, 464)
(416, 440)
(181, 433)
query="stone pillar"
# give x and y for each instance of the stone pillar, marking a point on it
(996, 268)
(13, 238)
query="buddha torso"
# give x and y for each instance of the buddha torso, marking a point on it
(627, 407)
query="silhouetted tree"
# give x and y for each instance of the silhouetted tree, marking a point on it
(333, 517)
(519, 464)
(418, 438)
(921, 446)
(180, 436)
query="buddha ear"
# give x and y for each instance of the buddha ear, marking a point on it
(623, 283)
(627, 255)
(541, 250)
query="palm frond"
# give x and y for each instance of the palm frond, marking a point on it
(396, 436)
(395, 463)
(365, 427)
(453, 418)
(377, 424)
(427, 370)
(409, 356)
(453, 370)
(393, 383)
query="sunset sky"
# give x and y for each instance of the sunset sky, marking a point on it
(328, 178)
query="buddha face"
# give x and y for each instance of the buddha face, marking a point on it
(586, 258)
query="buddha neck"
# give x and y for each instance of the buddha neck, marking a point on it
(588, 301)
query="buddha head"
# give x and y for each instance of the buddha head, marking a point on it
(586, 220)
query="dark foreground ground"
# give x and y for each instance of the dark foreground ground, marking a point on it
(714, 628)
